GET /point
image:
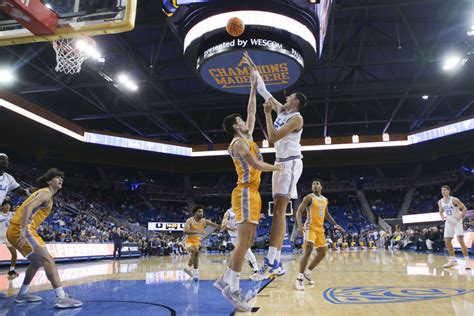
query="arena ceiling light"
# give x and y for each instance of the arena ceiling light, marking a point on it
(425, 97)
(126, 82)
(6, 76)
(137, 144)
(210, 153)
(41, 120)
(91, 50)
(258, 18)
(442, 131)
(453, 62)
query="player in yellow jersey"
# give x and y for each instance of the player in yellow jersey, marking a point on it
(23, 236)
(246, 201)
(316, 206)
(193, 229)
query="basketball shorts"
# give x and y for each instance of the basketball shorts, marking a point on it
(195, 242)
(315, 236)
(284, 182)
(247, 204)
(453, 228)
(33, 240)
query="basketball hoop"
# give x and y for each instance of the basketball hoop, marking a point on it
(72, 52)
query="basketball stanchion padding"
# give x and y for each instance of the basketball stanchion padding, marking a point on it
(32, 15)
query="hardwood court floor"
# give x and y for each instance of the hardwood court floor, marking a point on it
(372, 282)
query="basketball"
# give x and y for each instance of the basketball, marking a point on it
(235, 27)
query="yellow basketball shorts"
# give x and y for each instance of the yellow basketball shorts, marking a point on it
(247, 204)
(195, 242)
(315, 236)
(33, 240)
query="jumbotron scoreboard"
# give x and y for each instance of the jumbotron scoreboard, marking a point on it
(282, 37)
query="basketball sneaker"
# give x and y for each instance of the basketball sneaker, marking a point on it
(188, 271)
(27, 298)
(252, 293)
(450, 263)
(262, 273)
(280, 271)
(467, 263)
(196, 276)
(254, 276)
(67, 302)
(308, 278)
(220, 284)
(12, 274)
(237, 300)
(299, 284)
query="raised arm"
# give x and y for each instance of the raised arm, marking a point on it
(292, 125)
(252, 105)
(261, 88)
(299, 213)
(242, 149)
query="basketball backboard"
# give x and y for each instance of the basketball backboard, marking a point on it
(77, 18)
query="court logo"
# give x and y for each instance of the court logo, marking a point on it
(388, 294)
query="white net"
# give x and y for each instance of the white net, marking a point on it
(72, 52)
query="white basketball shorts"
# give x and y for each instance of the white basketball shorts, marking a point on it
(284, 182)
(453, 228)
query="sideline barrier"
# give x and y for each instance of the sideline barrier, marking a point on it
(76, 251)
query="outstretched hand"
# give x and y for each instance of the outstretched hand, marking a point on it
(248, 60)
(267, 107)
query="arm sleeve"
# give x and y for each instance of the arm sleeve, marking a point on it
(262, 89)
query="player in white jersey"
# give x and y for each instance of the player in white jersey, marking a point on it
(5, 217)
(285, 134)
(453, 211)
(229, 224)
(7, 182)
